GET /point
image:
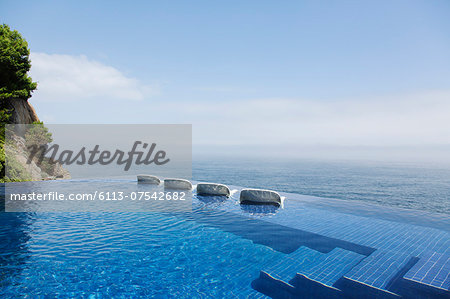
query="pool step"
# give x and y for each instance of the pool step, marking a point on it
(306, 289)
(273, 280)
(285, 269)
(428, 278)
(306, 273)
(333, 266)
(346, 274)
(376, 275)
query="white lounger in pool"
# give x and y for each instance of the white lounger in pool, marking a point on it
(148, 179)
(212, 189)
(259, 196)
(177, 184)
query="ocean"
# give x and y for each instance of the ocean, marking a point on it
(424, 187)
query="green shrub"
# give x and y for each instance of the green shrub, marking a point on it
(14, 83)
(4, 118)
(16, 171)
(14, 65)
(37, 134)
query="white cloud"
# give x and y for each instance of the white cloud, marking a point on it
(415, 119)
(75, 78)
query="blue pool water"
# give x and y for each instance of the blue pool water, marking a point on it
(320, 247)
(314, 247)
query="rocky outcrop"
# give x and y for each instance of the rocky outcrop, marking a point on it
(16, 166)
(22, 111)
(16, 152)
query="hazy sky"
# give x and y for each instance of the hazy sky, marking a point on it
(300, 73)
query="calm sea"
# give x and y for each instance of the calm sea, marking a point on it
(411, 186)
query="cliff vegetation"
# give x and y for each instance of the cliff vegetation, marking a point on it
(16, 87)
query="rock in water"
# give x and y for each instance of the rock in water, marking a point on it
(177, 184)
(260, 196)
(212, 189)
(148, 179)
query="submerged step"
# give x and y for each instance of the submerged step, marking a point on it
(260, 196)
(428, 278)
(309, 288)
(304, 288)
(177, 184)
(307, 273)
(285, 269)
(332, 266)
(212, 189)
(376, 274)
(148, 179)
(272, 287)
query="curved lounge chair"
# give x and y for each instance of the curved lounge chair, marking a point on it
(260, 196)
(177, 184)
(212, 189)
(148, 179)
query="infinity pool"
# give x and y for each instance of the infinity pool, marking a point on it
(311, 247)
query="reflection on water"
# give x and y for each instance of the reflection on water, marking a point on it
(212, 200)
(259, 209)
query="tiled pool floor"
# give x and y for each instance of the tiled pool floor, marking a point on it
(363, 254)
